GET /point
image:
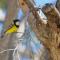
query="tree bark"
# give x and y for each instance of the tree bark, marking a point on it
(49, 34)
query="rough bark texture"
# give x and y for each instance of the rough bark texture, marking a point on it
(53, 25)
(49, 34)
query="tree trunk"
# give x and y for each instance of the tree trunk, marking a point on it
(49, 34)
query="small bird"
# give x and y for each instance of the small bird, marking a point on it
(14, 27)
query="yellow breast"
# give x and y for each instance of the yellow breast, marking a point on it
(11, 30)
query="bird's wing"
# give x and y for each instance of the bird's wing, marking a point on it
(11, 30)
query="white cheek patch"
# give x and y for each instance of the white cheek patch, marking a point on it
(17, 23)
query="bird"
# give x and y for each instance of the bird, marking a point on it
(17, 27)
(14, 27)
